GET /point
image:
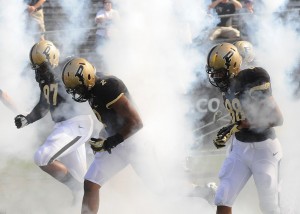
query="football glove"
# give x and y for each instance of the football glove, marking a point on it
(97, 144)
(101, 145)
(224, 134)
(21, 121)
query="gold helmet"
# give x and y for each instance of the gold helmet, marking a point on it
(42, 53)
(223, 63)
(79, 77)
(245, 49)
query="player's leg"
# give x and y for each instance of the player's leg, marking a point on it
(91, 198)
(233, 176)
(75, 162)
(38, 17)
(66, 142)
(74, 157)
(46, 157)
(103, 167)
(145, 162)
(266, 174)
(224, 210)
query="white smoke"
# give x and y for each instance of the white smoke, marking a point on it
(152, 52)
(276, 38)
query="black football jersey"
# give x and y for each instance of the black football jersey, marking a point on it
(53, 98)
(107, 90)
(249, 86)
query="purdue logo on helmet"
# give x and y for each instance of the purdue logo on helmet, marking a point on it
(79, 77)
(223, 63)
(246, 50)
(44, 52)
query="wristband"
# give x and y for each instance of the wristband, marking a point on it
(115, 139)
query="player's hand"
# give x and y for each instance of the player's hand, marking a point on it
(97, 144)
(101, 145)
(21, 121)
(224, 134)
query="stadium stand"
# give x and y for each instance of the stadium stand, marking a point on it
(56, 17)
(294, 4)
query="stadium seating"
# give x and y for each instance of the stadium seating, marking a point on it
(56, 18)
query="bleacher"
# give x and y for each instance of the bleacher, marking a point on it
(56, 17)
(294, 4)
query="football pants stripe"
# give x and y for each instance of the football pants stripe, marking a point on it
(72, 142)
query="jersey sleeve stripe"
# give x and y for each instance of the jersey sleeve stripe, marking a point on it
(113, 101)
(262, 87)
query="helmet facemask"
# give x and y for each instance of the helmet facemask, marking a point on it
(80, 93)
(223, 63)
(218, 78)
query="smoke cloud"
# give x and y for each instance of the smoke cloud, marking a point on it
(153, 50)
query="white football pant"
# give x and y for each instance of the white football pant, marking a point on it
(142, 159)
(66, 144)
(261, 160)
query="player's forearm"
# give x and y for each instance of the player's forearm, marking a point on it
(38, 112)
(131, 126)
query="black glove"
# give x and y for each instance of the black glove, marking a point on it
(101, 145)
(21, 121)
(224, 134)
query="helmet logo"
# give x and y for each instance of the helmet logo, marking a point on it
(227, 59)
(47, 53)
(79, 74)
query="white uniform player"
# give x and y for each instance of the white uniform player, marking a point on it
(110, 100)
(63, 153)
(255, 150)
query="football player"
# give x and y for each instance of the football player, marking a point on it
(63, 153)
(255, 150)
(110, 100)
(246, 51)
